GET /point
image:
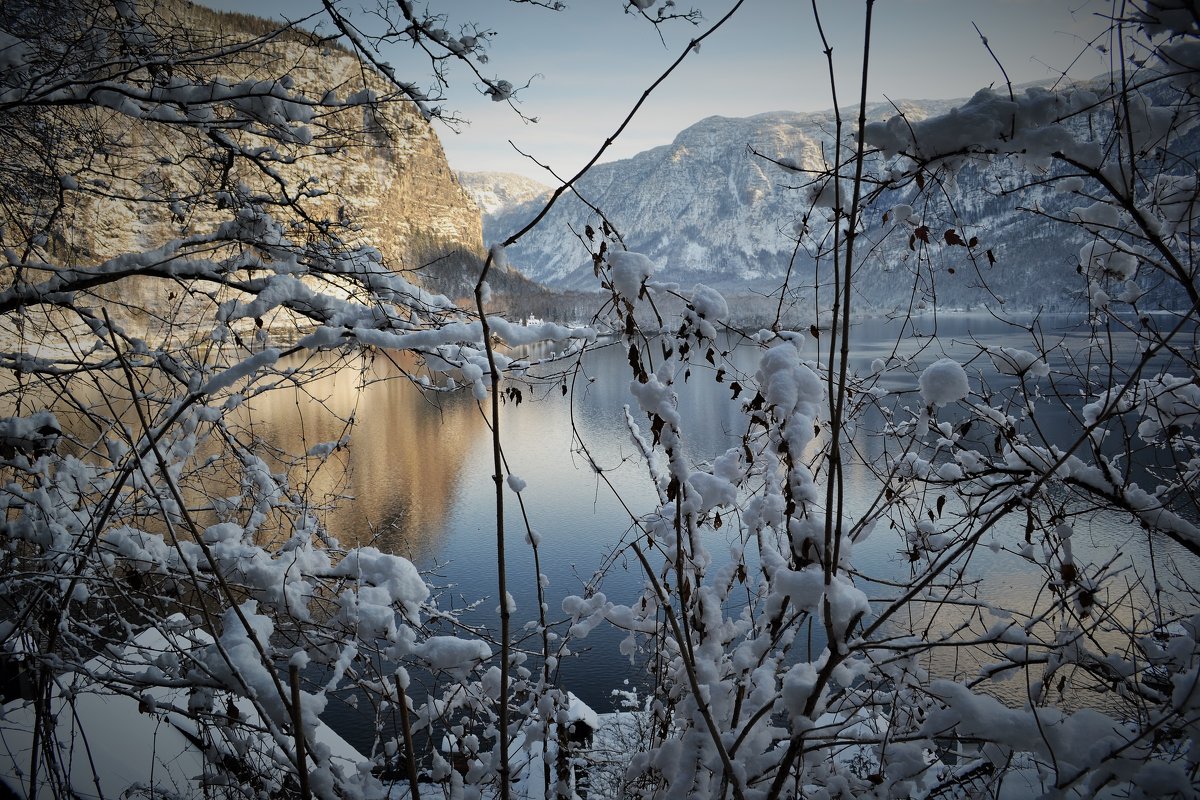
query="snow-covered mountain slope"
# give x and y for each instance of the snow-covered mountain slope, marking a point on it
(718, 206)
(704, 207)
(495, 191)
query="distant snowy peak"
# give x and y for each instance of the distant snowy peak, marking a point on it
(721, 202)
(496, 191)
(704, 207)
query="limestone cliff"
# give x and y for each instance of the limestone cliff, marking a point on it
(116, 181)
(392, 176)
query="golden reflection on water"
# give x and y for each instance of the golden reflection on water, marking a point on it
(391, 484)
(394, 485)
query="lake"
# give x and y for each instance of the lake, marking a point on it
(416, 480)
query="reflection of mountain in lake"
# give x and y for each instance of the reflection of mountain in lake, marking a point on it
(395, 482)
(419, 467)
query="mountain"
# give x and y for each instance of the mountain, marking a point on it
(377, 174)
(494, 191)
(704, 207)
(721, 204)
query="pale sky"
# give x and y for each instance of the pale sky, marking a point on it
(591, 62)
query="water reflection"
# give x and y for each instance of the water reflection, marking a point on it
(396, 483)
(419, 468)
(415, 478)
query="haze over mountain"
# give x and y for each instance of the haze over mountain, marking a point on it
(495, 191)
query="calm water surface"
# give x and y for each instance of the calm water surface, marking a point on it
(416, 480)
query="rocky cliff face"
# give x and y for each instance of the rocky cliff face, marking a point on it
(379, 173)
(391, 175)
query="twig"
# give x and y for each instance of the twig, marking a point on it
(298, 731)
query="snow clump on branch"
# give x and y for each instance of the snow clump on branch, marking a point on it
(1027, 126)
(944, 382)
(1012, 361)
(630, 271)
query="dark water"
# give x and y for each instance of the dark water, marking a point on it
(419, 468)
